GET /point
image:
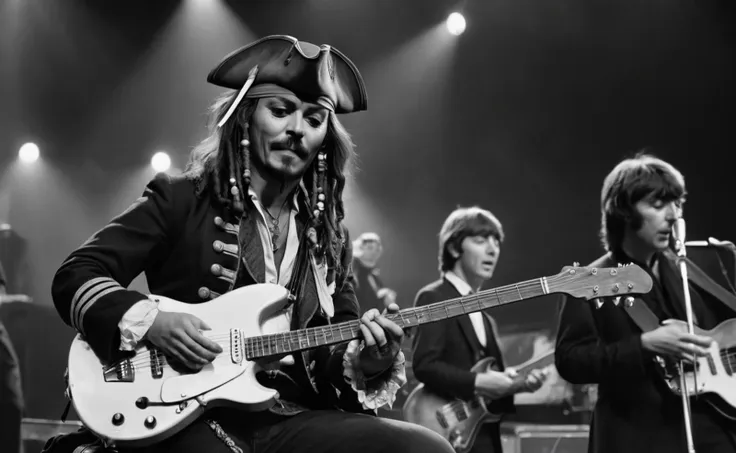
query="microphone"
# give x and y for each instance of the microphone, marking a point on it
(711, 242)
(678, 231)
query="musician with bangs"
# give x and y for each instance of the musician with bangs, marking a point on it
(445, 352)
(622, 346)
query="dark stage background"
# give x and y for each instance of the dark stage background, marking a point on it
(524, 114)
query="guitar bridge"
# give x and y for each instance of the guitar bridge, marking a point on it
(122, 371)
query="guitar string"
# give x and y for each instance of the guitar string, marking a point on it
(439, 308)
(144, 363)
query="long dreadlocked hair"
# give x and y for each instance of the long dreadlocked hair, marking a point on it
(219, 158)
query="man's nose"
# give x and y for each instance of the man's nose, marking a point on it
(492, 248)
(296, 125)
(673, 212)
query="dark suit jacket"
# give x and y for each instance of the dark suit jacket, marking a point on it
(445, 351)
(191, 251)
(635, 412)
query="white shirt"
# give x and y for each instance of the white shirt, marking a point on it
(477, 317)
(283, 274)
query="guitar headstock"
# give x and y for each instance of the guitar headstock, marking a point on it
(591, 283)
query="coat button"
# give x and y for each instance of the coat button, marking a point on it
(204, 292)
(216, 269)
(219, 222)
(219, 246)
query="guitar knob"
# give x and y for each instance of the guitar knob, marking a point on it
(118, 419)
(150, 422)
(141, 403)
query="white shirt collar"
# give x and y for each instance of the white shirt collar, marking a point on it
(294, 200)
(460, 285)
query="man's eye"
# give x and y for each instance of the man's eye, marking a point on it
(314, 122)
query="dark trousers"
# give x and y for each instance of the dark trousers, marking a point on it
(712, 433)
(488, 439)
(11, 396)
(324, 431)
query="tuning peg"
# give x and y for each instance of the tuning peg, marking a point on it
(575, 264)
(620, 265)
(616, 300)
(598, 303)
(593, 271)
(629, 301)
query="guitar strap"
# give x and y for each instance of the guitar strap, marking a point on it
(643, 316)
(703, 281)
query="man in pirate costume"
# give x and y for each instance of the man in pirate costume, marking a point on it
(615, 345)
(259, 202)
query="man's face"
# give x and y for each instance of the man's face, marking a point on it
(479, 256)
(657, 218)
(286, 134)
(371, 253)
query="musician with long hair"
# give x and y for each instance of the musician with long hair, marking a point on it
(260, 202)
(636, 412)
(445, 351)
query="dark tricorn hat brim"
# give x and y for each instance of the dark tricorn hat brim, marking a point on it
(314, 73)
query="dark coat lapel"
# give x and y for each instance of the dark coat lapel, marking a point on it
(250, 243)
(466, 326)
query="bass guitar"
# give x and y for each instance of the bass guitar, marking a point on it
(458, 420)
(713, 376)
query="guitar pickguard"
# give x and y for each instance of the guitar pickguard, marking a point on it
(186, 386)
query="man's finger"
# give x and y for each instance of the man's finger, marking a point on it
(390, 326)
(185, 356)
(210, 346)
(367, 335)
(698, 340)
(377, 333)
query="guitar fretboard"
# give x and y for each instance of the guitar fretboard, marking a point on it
(297, 340)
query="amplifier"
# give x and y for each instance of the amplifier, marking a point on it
(539, 438)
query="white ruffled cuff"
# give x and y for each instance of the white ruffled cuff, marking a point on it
(385, 394)
(135, 323)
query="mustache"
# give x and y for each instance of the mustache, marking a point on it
(290, 145)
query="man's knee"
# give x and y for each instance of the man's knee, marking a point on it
(418, 439)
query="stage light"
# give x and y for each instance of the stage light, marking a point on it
(456, 24)
(29, 153)
(160, 161)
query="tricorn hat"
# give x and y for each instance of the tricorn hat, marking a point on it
(267, 67)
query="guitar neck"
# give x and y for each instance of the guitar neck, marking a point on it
(544, 360)
(302, 339)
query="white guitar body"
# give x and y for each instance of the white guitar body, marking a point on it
(716, 371)
(109, 408)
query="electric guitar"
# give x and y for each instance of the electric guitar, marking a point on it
(712, 376)
(458, 420)
(141, 399)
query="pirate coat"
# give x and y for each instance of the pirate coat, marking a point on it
(191, 252)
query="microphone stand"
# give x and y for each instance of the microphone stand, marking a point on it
(681, 254)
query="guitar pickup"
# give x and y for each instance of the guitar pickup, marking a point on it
(122, 371)
(236, 346)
